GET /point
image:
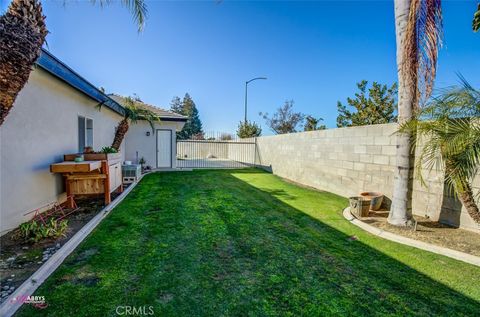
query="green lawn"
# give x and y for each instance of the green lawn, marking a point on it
(246, 243)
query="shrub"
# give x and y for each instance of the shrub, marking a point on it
(108, 149)
(36, 231)
(248, 130)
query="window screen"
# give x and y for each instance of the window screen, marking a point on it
(89, 135)
(81, 134)
(85, 133)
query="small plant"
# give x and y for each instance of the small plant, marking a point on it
(142, 163)
(35, 231)
(108, 149)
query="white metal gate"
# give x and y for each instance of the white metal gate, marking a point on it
(213, 152)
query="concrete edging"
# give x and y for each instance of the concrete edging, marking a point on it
(457, 255)
(11, 305)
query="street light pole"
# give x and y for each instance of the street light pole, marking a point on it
(246, 93)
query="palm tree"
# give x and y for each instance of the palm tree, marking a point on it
(476, 20)
(450, 128)
(313, 124)
(133, 113)
(418, 25)
(22, 34)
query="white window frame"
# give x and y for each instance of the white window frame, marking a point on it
(85, 118)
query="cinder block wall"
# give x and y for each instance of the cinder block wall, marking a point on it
(343, 161)
(347, 161)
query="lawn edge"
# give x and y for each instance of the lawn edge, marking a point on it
(454, 254)
(10, 306)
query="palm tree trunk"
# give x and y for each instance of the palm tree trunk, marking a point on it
(22, 34)
(401, 211)
(120, 133)
(468, 201)
(464, 193)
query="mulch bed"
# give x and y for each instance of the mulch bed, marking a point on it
(20, 259)
(431, 232)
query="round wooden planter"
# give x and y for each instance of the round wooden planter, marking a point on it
(375, 199)
(359, 206)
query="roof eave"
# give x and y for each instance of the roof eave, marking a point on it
(60, 70)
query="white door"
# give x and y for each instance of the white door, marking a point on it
(164, 148)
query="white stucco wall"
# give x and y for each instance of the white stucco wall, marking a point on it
(43, 126)
(137, 141)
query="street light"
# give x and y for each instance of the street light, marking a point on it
(246, 93)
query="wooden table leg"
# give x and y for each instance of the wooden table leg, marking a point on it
(106, 183)
(70, 201)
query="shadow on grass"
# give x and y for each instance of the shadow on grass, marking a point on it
(209, 243)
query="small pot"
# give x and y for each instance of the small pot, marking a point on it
(375, 198)
(359, 206)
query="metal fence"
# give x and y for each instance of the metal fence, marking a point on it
(215, 150)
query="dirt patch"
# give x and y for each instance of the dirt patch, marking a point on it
(431, 232)
(20, 259)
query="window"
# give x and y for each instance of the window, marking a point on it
(85, 133)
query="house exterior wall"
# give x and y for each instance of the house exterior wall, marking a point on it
(43, 126)
(347, 161)
(137, 141)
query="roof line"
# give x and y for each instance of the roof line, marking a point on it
(168, 116)
(59, 69)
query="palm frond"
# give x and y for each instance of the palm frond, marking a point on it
(422, 41)
(135, 113)
(138, 9)
(447, 133)
(476, 20)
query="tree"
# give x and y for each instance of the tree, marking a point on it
(312, 124)
(375, 107)
(285, 120)
(248, 130)
(133, 113)
(449, 127)
(418, 26)
(22, 34)
(176, 105)
(476, 20)
(187, 107)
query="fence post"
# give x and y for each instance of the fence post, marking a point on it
(255, 153)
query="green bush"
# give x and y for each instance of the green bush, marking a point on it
(36, 231)
(248, 130)
(108, 149)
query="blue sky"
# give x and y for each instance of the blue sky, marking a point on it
(311, 52)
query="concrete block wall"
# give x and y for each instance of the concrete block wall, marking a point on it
(344, 161)
(433, 199)
(347, 161)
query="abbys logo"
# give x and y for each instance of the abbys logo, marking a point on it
(134, 310)
(35, 301)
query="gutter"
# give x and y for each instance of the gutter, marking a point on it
(57, 68)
